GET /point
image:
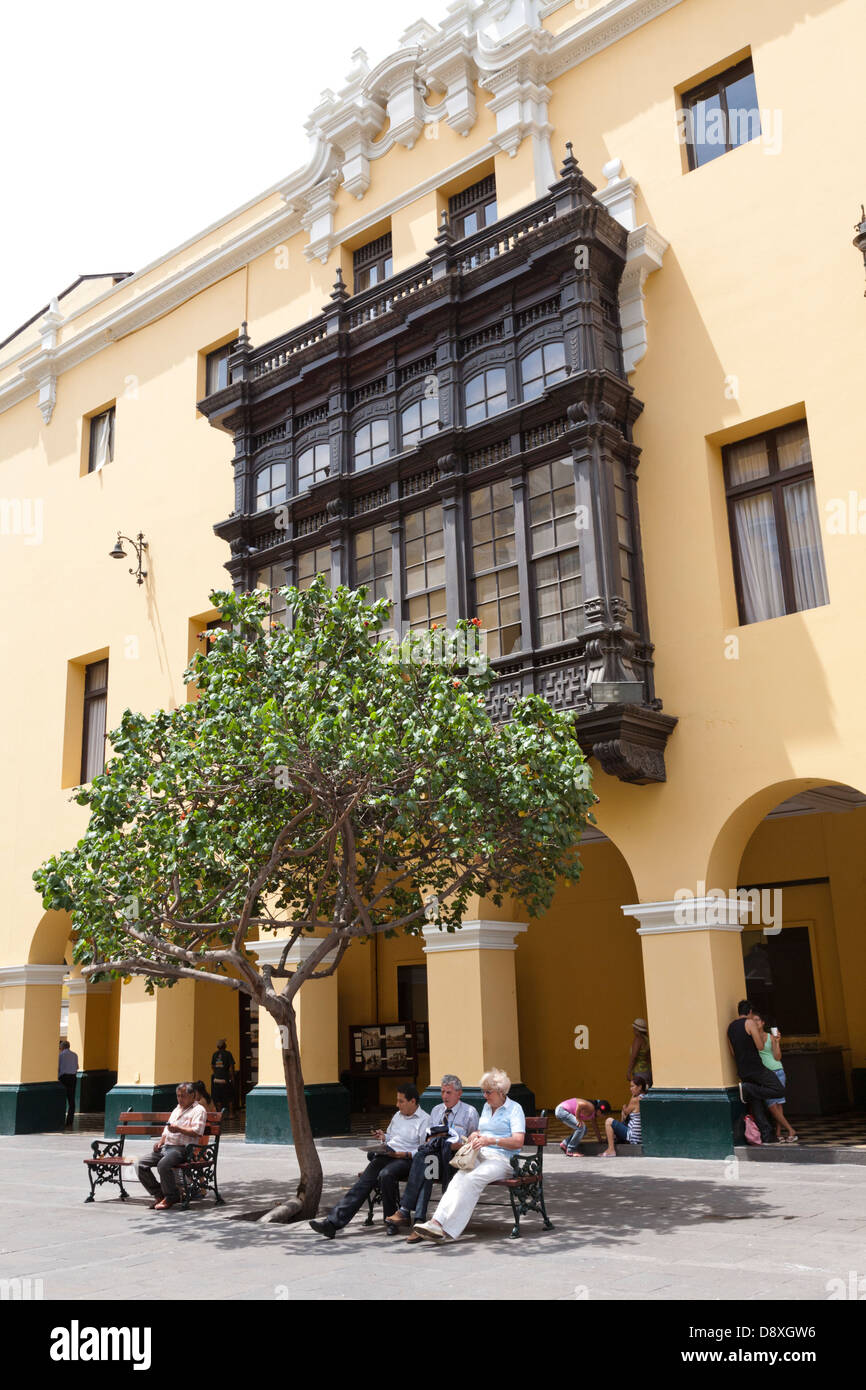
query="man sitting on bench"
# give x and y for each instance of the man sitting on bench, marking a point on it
(451, 1123)
(185, 1124)
(387, 1166)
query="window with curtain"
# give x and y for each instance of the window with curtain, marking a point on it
(419, 421)
(313, 465)
(485, 394)
(372, 564)
(101, 449)
(775, 528)
(554, 552)
(372, 444)
(624, 532)
(311, 563)
(494, 566)
(95, 710)
(541, 368)
(424, 561)
(271, 486)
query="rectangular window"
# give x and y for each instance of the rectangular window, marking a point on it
(314, 464)
(419, 421)
(473, 208)
(541, 368)
(424, 559)
(101, 450)
(95, 710)
(494, 566)
(485, 394)
(720, 114)
(272, 578)
(553, 549)
(624, 532)
(373, 562)
(780, 980)
(372, 444)
(216, 371)
(373, 263)
(311, 563)
(775, 528)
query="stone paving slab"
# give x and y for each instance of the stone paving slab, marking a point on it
(652, 1229)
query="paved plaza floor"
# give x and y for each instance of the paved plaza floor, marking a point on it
(658, 1229)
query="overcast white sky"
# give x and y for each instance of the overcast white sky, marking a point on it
(129, 127)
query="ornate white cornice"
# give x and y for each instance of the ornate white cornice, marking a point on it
(12, 976)
(499, 44)
(475, 935)
(689, 914)
(270, 951)
(646, 249)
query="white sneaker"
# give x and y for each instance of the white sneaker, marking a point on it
(429, 1230)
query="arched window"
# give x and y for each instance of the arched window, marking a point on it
(271, 486)
(418, 421)
(485, 394)
(541, 368)
(372, 444)
(313, 465)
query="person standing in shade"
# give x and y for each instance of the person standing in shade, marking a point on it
(639, 1058)
(771, 1056)
(758, 1085)
(222, 1081)
(67, 1074)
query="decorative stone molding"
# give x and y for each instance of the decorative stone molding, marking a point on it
(76, 985)
(646, 249)
(270, 951)
(628, 740)
(499, 43)
(689, 914)
(13, 976)
(474, 935)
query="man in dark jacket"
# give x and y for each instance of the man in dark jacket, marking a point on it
(757, 1083)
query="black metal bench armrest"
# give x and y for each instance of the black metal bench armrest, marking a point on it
(107, 1148)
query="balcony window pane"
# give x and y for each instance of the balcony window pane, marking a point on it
(792, 446)
(747, 461)
(804, 538)
(760, 568)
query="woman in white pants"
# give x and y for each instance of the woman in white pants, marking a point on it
(501, 1131)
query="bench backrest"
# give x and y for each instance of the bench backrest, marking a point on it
(536, 1129)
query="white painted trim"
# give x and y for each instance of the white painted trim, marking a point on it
(269, 951)
(76, 985)
(474, 935)
(688, 914)
(497, 42)
(12, 976)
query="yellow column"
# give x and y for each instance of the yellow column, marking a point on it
(92, 1034)
(693, 972)
(472, 998)
(267, 1118)
(31, 1097)
(155, 1047)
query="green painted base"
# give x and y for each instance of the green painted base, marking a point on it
(91, 1089)
(472, 1096)
(119, 1098)
(690, 1123)
(268, 1113)
(32, 1107)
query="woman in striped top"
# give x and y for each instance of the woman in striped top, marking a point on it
(627, 1130)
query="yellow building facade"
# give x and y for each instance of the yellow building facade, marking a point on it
(726, 182)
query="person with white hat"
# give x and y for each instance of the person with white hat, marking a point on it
(639, 1059)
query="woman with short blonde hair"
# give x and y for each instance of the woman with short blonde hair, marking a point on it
(501, 1131)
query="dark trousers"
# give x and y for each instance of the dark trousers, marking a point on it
(760, 1092)
(430, 1162)
(165, 1161)
(222, 1094)
(68, 1081)
(388, 1172)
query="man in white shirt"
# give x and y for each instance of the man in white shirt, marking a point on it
(186, 1123)
(454, 1121)
(67, 1075)
(404, 1136)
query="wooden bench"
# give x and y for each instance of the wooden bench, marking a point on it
(197, 1173)
(525, 1186)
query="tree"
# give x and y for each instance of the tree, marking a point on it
(322, 780)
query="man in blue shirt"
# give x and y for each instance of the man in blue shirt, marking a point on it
(455, 1121)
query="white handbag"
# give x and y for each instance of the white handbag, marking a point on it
(465, 1158)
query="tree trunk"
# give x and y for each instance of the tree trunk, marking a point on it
(305, 1203)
